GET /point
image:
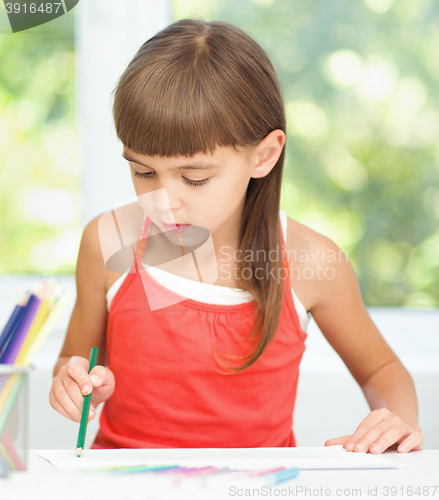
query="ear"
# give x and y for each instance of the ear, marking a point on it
(267, 153)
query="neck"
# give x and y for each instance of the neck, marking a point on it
(226, 238)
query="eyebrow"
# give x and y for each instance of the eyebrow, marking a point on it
(193, 166)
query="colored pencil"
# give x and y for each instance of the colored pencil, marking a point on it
(46, 328)
(48, 294)
(272, 478)
(35, 327)
(144, 469)
(20, 331)
(31, 321)
(197, 473)
(285, 475)
(86, 406)
(12, 322)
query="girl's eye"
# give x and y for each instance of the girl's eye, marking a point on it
(188, 181)
(142, 175)
(195, 183)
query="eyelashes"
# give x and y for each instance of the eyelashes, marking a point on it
(146, 175)
(195, 183)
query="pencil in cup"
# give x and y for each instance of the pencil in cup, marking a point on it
(86, 406)
(13, 418)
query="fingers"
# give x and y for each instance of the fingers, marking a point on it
(69, 387)
(101, 376)
(382, 429)
(379, 441)
(77, 368)
(56, 405)
(73, 382)
(62, 402)
(338, 440)
(414, 441)
(372, 419)
(72, 394)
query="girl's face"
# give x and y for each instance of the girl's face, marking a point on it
(204, 190)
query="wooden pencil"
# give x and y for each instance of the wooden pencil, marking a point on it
(51, 319)
(13, 321)
(86, 407)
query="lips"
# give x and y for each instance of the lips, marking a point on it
(174, 228)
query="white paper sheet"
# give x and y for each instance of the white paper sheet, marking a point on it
(325, 457)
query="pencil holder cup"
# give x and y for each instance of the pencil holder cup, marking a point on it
(13, 418)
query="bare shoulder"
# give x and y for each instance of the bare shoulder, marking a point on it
(325, 282)
(90, 268)
(113, 231)
(87, 322)
(314, 261)
(302, 238)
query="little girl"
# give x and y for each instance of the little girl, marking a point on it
(200, 114)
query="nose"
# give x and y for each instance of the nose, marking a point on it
(165, 201)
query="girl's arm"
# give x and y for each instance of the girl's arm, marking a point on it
(87, 324)
(339, 311)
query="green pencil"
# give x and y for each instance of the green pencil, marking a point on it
(86, 406)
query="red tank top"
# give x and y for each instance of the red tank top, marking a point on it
(168, 391)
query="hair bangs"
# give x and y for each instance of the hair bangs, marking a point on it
(171, 110)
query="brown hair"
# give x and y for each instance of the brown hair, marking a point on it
(198, 85)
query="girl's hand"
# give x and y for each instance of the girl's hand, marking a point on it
(379, 430)
(73, 382)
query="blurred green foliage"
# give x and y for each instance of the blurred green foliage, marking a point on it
(39, 169)
(360, 82)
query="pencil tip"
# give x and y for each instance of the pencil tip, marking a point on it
(79, 451)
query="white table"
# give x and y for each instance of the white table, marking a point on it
(421, 470)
